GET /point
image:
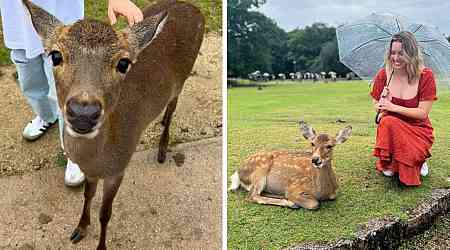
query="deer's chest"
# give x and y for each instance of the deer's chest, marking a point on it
(96, 158)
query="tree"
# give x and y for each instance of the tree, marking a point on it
(238, 24)
(255, 42)
(329, 58)
(314, 48)
(305, 45)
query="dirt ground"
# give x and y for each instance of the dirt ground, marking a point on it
(198, 116)
(158, 206)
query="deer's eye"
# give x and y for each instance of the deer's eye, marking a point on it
(329, 146)
(312, 144)
(56, 57)
(123, 65)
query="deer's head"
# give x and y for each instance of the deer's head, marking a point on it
(91, 61)
(323, 144)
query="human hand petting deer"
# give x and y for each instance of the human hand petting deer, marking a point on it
(124, 8)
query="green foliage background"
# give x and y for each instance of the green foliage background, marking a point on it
(97, 9)
(255, 42)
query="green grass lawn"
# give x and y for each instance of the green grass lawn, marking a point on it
(267, 119)
(97, 9)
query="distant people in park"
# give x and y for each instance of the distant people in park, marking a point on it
(34, 67)
(332, 76)
(404, 134)
(292, 76)
(266, 77)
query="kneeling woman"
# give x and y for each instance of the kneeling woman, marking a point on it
(403, 93)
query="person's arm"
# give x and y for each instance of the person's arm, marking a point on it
(125, 8)
(421, 112)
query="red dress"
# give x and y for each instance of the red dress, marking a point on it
(403, 144)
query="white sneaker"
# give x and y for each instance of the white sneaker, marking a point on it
(36, 128)
(73, 176)
(424, 169)
(388, 173)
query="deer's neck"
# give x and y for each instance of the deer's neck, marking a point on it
(325, 181)
(82, 150)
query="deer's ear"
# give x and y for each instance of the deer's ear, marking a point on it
(343, 135)
(307, 131)
(143, 33)
(46, 24)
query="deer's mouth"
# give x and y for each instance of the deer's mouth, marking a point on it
(318, 164)
(77, 131)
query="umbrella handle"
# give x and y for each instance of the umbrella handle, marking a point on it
(378, 118)
(384, 94)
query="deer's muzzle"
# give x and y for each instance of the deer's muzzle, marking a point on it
(83, 116)
(316, 161)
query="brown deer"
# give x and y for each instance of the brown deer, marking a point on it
(111, 84)
(292, 179)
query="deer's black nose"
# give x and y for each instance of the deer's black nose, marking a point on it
(83, 116)
(315, 160)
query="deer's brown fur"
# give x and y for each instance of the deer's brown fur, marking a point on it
(162, 49)
(292, 179)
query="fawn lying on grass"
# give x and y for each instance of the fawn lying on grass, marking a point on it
(292, 179)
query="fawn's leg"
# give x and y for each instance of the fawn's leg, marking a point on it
(303, 199)
(90, 186)
(332, 196)
(164, 141)
(258, 183)
(110, 187)
(166, 113)
(273, 201)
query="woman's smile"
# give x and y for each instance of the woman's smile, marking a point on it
(397, 56)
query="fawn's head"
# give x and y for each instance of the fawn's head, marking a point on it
(91, 61)
(323, 144)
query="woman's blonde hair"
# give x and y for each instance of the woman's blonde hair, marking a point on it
(412, 55)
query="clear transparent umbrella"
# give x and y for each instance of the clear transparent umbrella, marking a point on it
(363, 43)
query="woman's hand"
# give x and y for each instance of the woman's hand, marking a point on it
(386, 105)
(386, 94)
(125, 8)
(376, 106)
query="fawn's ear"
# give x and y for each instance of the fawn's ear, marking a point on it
(46, 25)
(307, 131)
(343, 135)
(143, 33)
